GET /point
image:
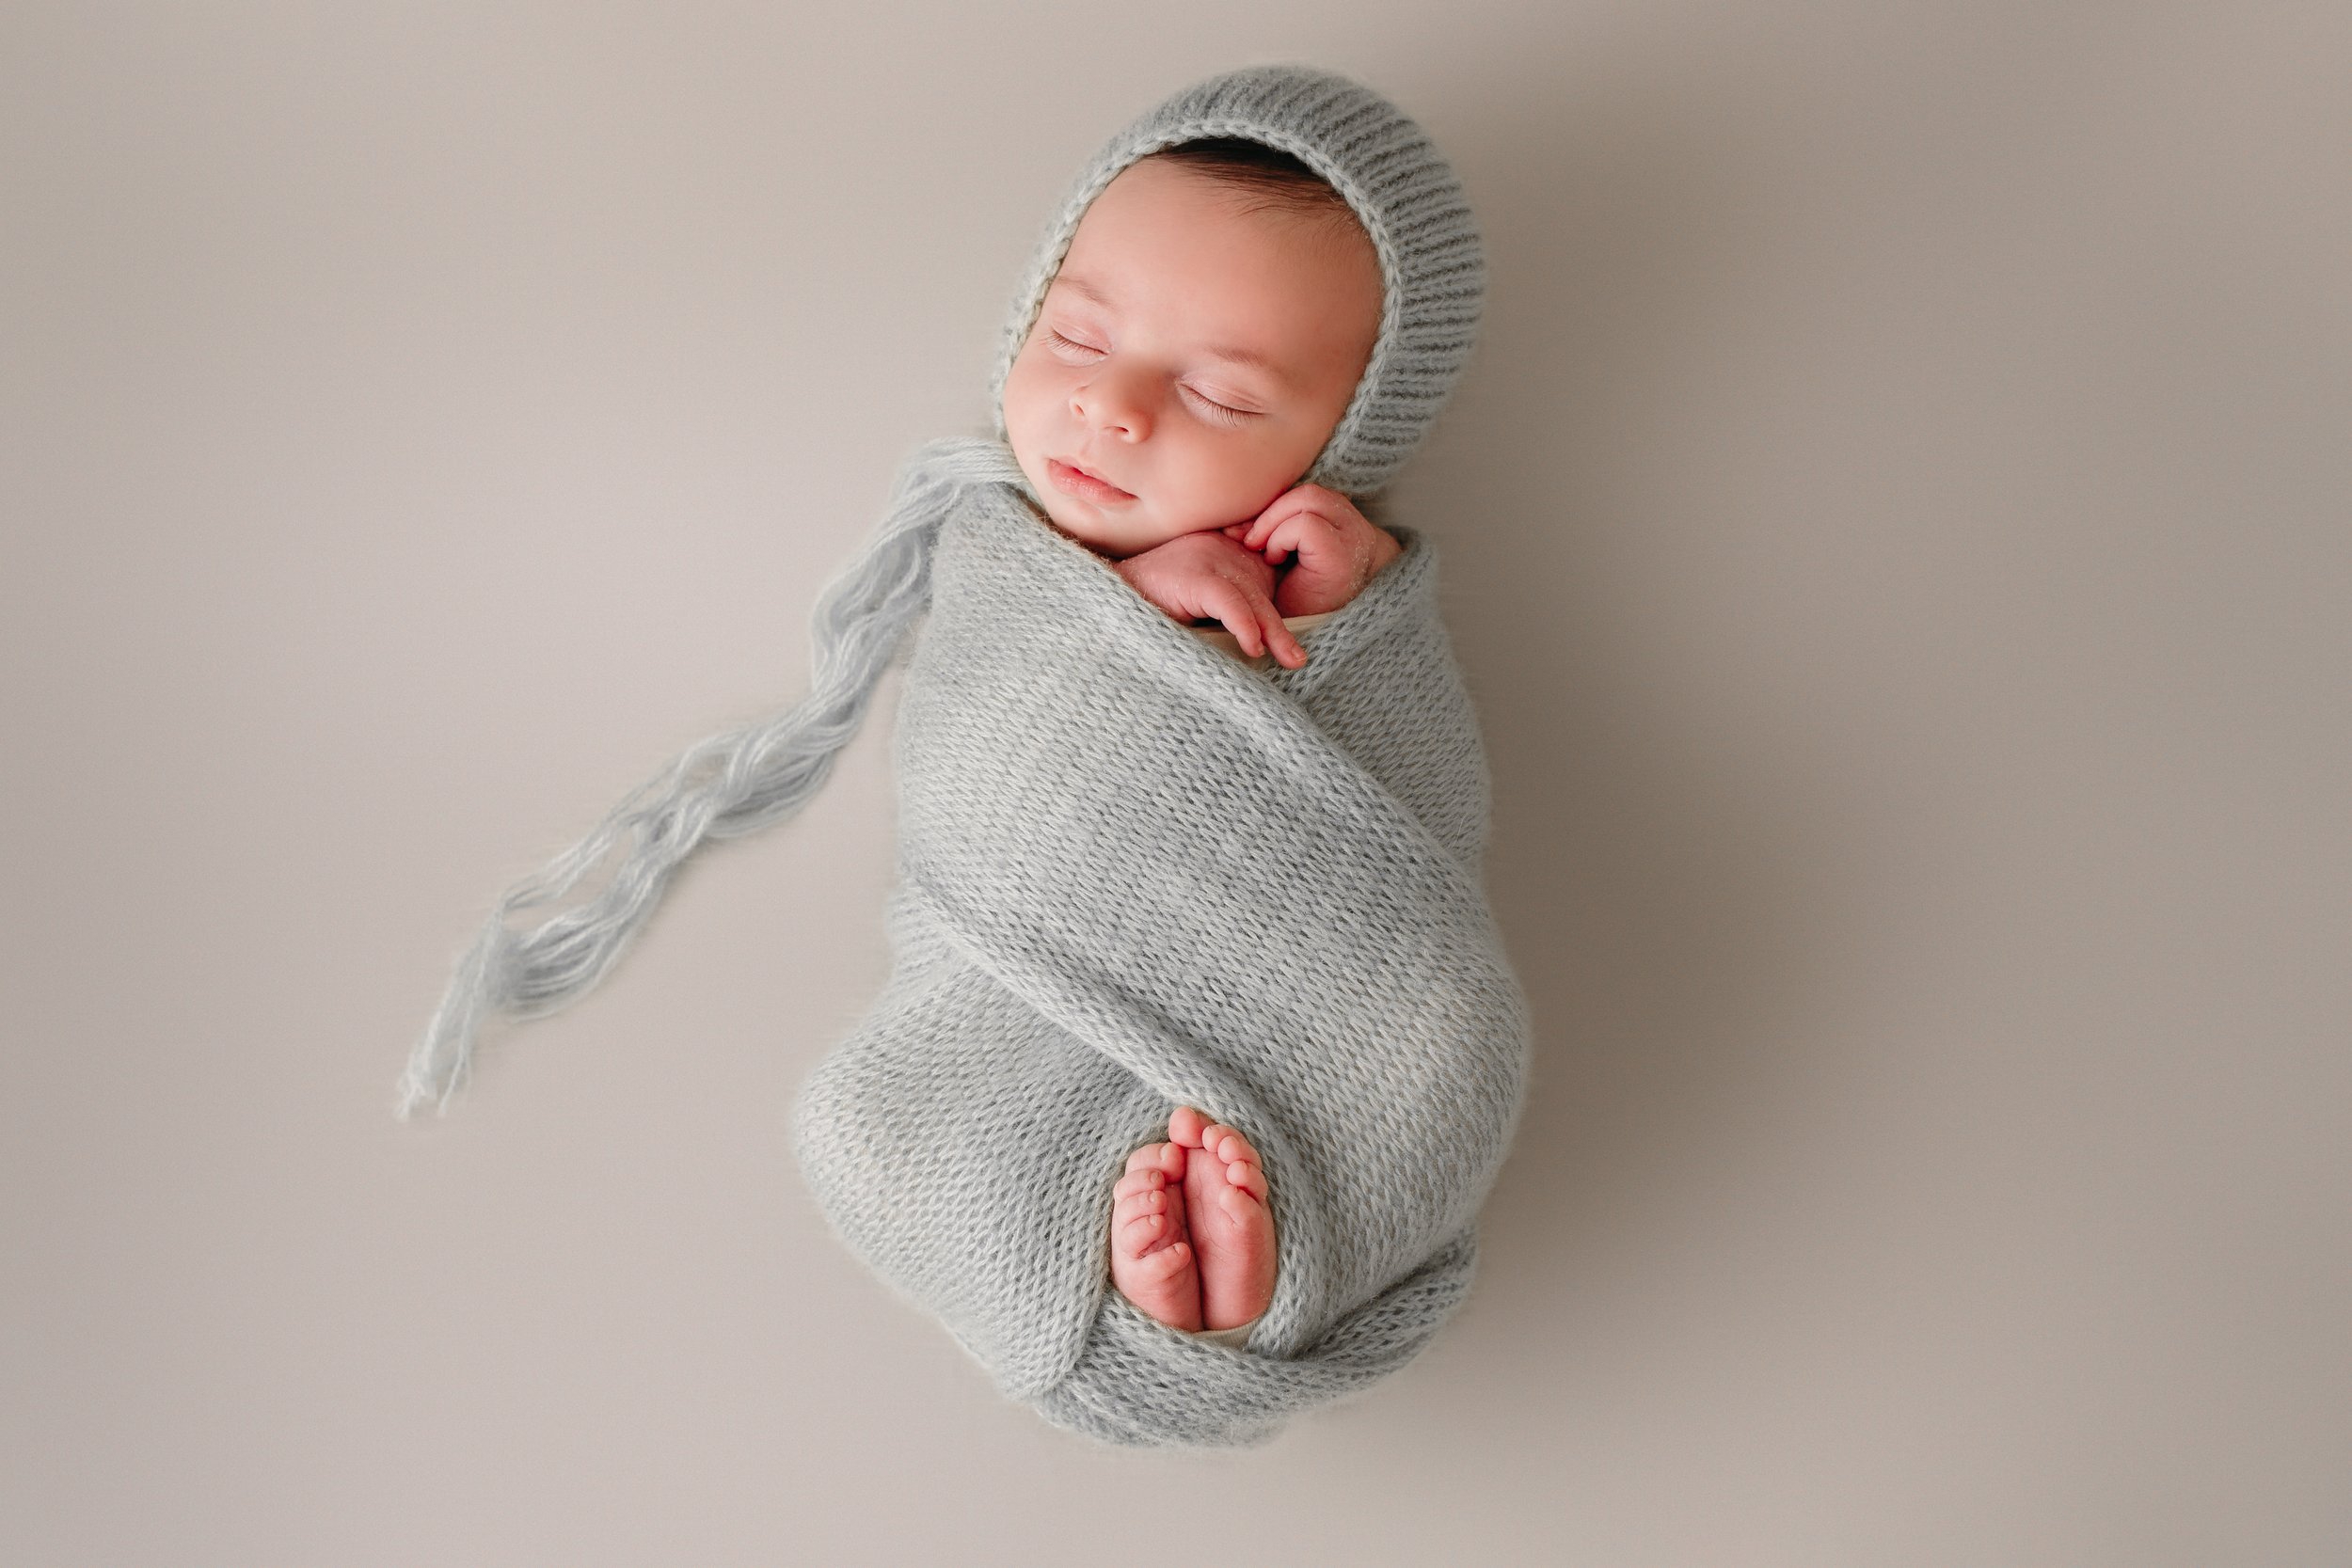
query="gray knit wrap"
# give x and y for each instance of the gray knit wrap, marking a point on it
(1134, 873)
(1411, 205)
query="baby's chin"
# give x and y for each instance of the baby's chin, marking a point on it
(1116, 538)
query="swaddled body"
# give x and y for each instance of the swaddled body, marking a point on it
(1136, 873)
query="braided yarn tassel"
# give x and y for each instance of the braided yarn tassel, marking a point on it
(727, 785)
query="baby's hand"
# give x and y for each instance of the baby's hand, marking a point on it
(1206, 576)
(1335, 548)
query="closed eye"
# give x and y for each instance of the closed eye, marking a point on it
(1073, 343)
(1218, 411)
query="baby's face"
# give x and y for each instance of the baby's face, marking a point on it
(1189, 360)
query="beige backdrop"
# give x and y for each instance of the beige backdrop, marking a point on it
(1896, 531)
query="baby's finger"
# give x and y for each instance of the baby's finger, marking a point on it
(1278, 637)
(1287, 652)
(1302, 532)
(1275, 638)
(1266, 522)
(1225, 601)
(1285, 538)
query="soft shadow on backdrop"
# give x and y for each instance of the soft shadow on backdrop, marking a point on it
(1894, 529)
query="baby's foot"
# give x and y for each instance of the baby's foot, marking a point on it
(1152, 1256)
(1231, 1226)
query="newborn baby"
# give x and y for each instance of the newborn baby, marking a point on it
(1233, 917)
(1196, 348)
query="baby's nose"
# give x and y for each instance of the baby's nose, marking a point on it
(1107, 403)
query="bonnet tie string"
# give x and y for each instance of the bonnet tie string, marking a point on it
(730, 784)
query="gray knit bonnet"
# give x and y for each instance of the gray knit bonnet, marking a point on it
(743, 780)
(1411, 205)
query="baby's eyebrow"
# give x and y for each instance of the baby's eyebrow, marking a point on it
(1245, 356)
(1250, 358)
(1079, 285)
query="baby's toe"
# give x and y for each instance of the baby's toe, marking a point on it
(1144, 1219)
(1139, 1235)
(1240, 1203)
(1170, 1261)
(1227, 1144)
(1165, 1159)
(1148, 1180)
(1186, 1125)
(1136, 1205)
(1247, 1176)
